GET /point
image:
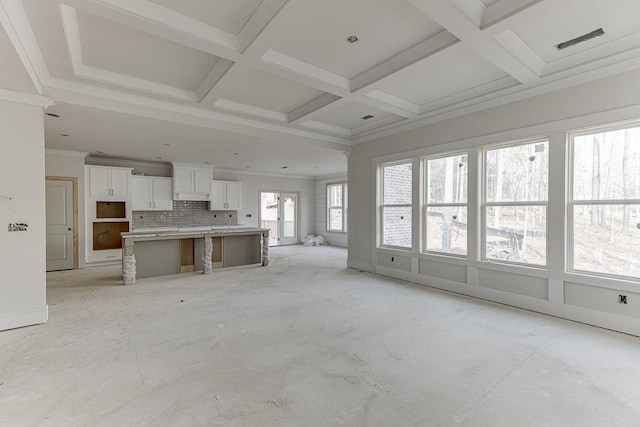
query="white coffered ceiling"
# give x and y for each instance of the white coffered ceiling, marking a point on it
(278, 77)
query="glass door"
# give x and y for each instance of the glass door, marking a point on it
(289, 218)
(279, 214)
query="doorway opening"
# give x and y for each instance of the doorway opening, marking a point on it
(61, 198)
(279, 213)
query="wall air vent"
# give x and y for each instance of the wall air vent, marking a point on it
(367, 117)
(593, 34)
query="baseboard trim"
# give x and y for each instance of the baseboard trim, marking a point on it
(358, 265)
(24, 318)
(626, 325)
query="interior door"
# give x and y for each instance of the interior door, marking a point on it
(288, 219)
(59, 212)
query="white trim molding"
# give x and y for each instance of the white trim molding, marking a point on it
(20, 319)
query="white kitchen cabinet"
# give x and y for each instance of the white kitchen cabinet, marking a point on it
(191, 182)
(151, 193)
(225, 196)
(108, 183)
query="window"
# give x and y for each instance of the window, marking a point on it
(395, 206)
(604, 201)
(337, 207)
(515, 203)
(445, 210)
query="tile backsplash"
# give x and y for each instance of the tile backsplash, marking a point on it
(184, 214)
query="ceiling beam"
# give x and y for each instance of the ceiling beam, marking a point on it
(507, 52)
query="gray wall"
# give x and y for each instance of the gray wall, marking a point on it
(22, 192)
(604, 101)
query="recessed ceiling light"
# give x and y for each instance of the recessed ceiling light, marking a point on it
(166, 144)
(284, 167)
(352, 39)
(63, 134)
(52, 115)
(247, 166)
(367, 117)
(236, 153)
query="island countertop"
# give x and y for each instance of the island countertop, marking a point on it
(241, 250)
(185, 232)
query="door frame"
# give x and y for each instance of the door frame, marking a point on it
(74, 182)
(298, 213)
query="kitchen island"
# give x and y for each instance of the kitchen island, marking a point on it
(161, 251)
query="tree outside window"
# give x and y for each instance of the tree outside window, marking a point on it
(515, 203)
(445, 209)
(604, 201)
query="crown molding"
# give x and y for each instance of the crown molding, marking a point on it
(69, 153)
(26, 98)
(269, 174)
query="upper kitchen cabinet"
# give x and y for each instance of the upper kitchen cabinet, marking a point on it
(191, 182)
(151, 193)
(108, 183)
(225, 196)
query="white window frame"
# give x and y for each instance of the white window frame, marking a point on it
(572, 203)
(343, 206)
(485, 205)
(427, 204)
(381, 204)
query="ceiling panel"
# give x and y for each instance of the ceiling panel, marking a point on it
(136, 137)
(46, 22)
(268, 91)
(117, 48)
(350, 115)
(569, 19)
(441, 76)
(228, 15)
(384, 28)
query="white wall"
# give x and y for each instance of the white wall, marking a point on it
(605, 101)
(70, 164)
(22, 254)
(253, 184)
(335, 239)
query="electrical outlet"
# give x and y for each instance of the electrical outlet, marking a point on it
(18, 226)
(622, 299)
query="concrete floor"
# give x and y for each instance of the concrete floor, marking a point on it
(305, 342)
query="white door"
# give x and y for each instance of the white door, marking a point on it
(217, 202)
(142, 193)
(100, 182)
(59, 208)
(269, 211)
(233, 196)
(279, 213)
(120, 183)
(288, 219)
(162, 194)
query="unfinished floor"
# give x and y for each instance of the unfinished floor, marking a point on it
(305, 342)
